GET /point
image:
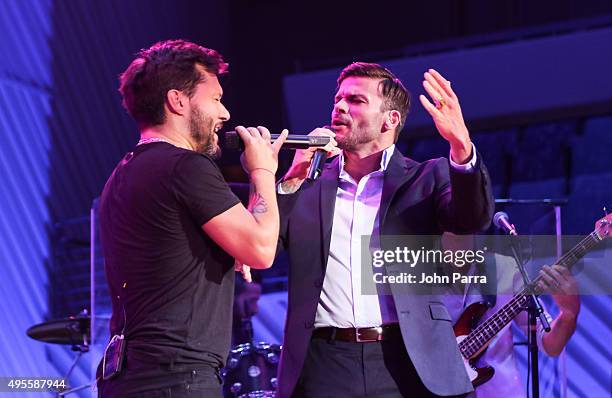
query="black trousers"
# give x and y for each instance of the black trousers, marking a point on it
(164, 382)
(354, 370)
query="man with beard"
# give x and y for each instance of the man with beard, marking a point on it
(338, 341)
(170, 227)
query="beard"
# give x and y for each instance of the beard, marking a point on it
(358, 135)
(202, 131)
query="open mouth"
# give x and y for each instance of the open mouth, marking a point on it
(339, 123)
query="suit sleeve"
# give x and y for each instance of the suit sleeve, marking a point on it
(464, 201)
(286, 203)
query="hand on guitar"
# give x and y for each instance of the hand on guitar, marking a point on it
(559, 282)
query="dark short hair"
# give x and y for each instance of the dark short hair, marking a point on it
(164, 66)
(395, 95)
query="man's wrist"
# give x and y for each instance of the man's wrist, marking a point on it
(256, 169)
(468, 166)
(461, 152)
(261, 174)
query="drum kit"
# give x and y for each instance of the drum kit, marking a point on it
(250, 371)
(73, 331)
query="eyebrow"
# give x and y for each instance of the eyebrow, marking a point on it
(351, 96)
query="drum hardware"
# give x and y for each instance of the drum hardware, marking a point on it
(251, 371)
(73, 331)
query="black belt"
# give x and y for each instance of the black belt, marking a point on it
(358, 335)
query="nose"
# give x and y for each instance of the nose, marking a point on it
(225, 115)
(341, 106)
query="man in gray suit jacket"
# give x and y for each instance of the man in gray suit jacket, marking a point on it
(338, 341)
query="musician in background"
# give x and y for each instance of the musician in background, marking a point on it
(557, 281)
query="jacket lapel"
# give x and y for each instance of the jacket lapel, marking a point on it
(399, 170)
(328, 188)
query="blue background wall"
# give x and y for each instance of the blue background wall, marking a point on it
(25, 104)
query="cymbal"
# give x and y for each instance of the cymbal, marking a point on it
(73, 331)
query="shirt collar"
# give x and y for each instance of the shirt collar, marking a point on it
(384, 161)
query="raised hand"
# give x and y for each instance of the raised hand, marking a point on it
(446, 114)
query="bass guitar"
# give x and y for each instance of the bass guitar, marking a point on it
(473, 343)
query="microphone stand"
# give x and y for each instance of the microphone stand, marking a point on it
(534, 310)
(247, 329)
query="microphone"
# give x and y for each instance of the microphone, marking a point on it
(501, 221)
(293, 141)
(316, 165)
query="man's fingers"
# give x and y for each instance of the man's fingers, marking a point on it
(278, 143)
(323, 131)
(331, 147)
(433, 93)
(265, 133)
(244, 269)
(254, 132)
(562, 271)
(554, 272)
(442, 82)
(334, 152)
(550, 281)
(330, 132)
(246, 273)
(244, 134)
(557, 272)
(435, 90)
(429, 107)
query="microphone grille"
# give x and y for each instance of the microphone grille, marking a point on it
(498, 217)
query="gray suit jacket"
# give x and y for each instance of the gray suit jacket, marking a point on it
(416, 200)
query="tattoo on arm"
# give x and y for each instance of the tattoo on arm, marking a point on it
(290, 187)
(257, 204)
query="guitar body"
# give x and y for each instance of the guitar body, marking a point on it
(464, 326)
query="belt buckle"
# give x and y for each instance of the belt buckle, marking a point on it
(359, 339)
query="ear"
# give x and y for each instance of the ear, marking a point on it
(392, 120)
(176, 102)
